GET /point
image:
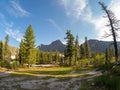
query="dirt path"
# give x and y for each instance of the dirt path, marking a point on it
(5, 73)
(38, 83)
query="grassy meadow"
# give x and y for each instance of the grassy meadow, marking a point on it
(45, 78)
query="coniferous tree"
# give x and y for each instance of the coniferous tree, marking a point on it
(38, 56)
(65, 61)
(56, 57)
(70, 46)
(77, 48)
(22, 52)
(110, 53)
(29, 40)
(41, 58)
(82, 51)
(87, 49)
(50, 57)
(107, 60)
(17, 55)
(32, 56)
(45, 58)
(1, 50)
(6, 49)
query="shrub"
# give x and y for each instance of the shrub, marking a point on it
(115, 70)
(5, 64)
(64, 64)
(15, 65)
(108, 82)
(98, 60)
(84, 62)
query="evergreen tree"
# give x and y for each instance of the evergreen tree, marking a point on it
(22, 52)
(17, 56)
(6, 49)
(82, 51)
(56, 57)
(110, 53)
(29, 40)
(107, 60)
(70, 46)
(1, 50)
(41, 58)
(50, 57)
(38, 56)
(32, 56)
(87, 49)
(77, 48)
(45, 58)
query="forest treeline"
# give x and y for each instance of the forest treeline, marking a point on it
(74, 54)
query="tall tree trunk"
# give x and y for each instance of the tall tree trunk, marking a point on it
(112, 22)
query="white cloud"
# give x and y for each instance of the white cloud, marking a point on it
(52, 21)
(101, 29)
(10, 29)
(74, 8)
(64, 42)
(14, 34)
(80, 9)
(100, 22)
(17, 10)
(115, 7)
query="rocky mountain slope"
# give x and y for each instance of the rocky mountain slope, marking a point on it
(95, 45)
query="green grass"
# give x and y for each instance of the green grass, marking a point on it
(46, 71)
(80, 69)
(59, 72)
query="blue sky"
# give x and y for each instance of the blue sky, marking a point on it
(51, 18)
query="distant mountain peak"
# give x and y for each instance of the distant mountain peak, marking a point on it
(56, 45)
(57, 42)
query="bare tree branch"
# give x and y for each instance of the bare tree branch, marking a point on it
(113, 24)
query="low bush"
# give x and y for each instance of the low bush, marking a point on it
(108, 82)
(64, 64)
(14, 65)
(84, 62)
(115, 70)
(105, 67)
(5, 64)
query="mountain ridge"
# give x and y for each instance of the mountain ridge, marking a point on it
(100, 46)
(95, 45)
